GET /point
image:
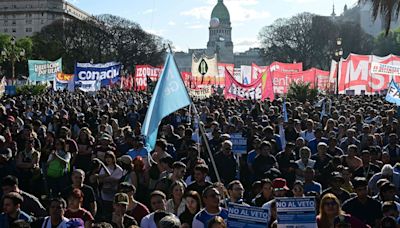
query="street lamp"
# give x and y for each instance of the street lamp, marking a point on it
(338, 56)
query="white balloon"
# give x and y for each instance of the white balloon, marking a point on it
(214, 23)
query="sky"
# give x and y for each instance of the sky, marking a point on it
(186, 22)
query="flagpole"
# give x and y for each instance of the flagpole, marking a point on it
(201, 130)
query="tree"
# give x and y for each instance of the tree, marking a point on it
(302, 92)
(311, 39)
(106, 38)
(386, 8)
(387, 44)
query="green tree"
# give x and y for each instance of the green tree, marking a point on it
(388, 9)
(302, 92)
(387, 44)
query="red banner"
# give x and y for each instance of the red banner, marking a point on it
(283, 80)
(127, 82)
(260, 89)
(141, 74)
(355, 74)
(286, 67)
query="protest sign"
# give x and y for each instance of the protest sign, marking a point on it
(240, 216)
(89, 77)
(201, 93)
(63, 82)
(43, 70)
(239, 143)
(144, 73)
(296, 212)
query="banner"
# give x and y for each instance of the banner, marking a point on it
(237, 74)
(393, 93)
(258, 90)
(356, 77)
(43, 70)
(322, 79)
(296, 212)
(380, 68)
(256, 70)
(240, 216)
(205, 70)
(286, 67)
(143, 73)
(64, 82)
(90, 77)
(221, 72)
(333, 76)
(127, 82)
(282, 81)
(239, 143)
(201, 93)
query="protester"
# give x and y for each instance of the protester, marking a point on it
(12, 210)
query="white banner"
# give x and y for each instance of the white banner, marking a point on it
(380, 68)
(202, 93)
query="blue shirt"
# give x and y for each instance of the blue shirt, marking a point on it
(313, 187)
(202, 218)
(21, 216)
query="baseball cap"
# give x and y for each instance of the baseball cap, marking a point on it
(279, 184)
(125, 159)
(121, 198)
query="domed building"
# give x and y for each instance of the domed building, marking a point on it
(220, 34)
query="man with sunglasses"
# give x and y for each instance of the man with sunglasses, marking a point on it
(211, 199)
(363, 206)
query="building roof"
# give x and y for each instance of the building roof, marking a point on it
(221, 12)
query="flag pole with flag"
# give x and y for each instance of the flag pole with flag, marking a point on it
(169, 95)
(393, 93)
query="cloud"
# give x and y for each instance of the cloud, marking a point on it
(158, 32)
(247, 42)
(196, 26)
(171, 23)
(240, 11)
(149, 11)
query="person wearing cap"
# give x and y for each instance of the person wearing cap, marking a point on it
(322, 159)
(387, 192)
(280, 187)
(335, 188)
(388, 173)
(135, 208)
(89, 198)
(119, 217)
(75, 209)
(363, 206)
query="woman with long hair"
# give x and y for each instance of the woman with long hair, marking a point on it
(193, 205)
(329, 208)
(85, 143)
(176, 204)
(109, 177)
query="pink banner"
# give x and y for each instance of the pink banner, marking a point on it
(355, 74)
(260, 89)
(282, 81)
(286, 67)
(141, 74)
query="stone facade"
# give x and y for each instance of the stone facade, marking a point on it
(21, 18)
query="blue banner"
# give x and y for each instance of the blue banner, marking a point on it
(240, 216)
(89, 77)
(393, 93)
(239, 143)
(43, 70)
(296, 212)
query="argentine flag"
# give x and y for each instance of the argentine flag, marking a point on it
(169, 96)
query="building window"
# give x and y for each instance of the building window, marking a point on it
(28, 22)
(28, 29)
(14, 30)
(14, 22)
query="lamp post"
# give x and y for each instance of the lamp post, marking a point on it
(338, 56)
(14, 54)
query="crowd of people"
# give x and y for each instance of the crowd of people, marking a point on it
(79, 160)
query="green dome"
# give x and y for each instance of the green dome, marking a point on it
(221, 12)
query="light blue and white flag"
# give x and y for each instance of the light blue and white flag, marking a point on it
(393, 93)
(169, 95)
(285, 114)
